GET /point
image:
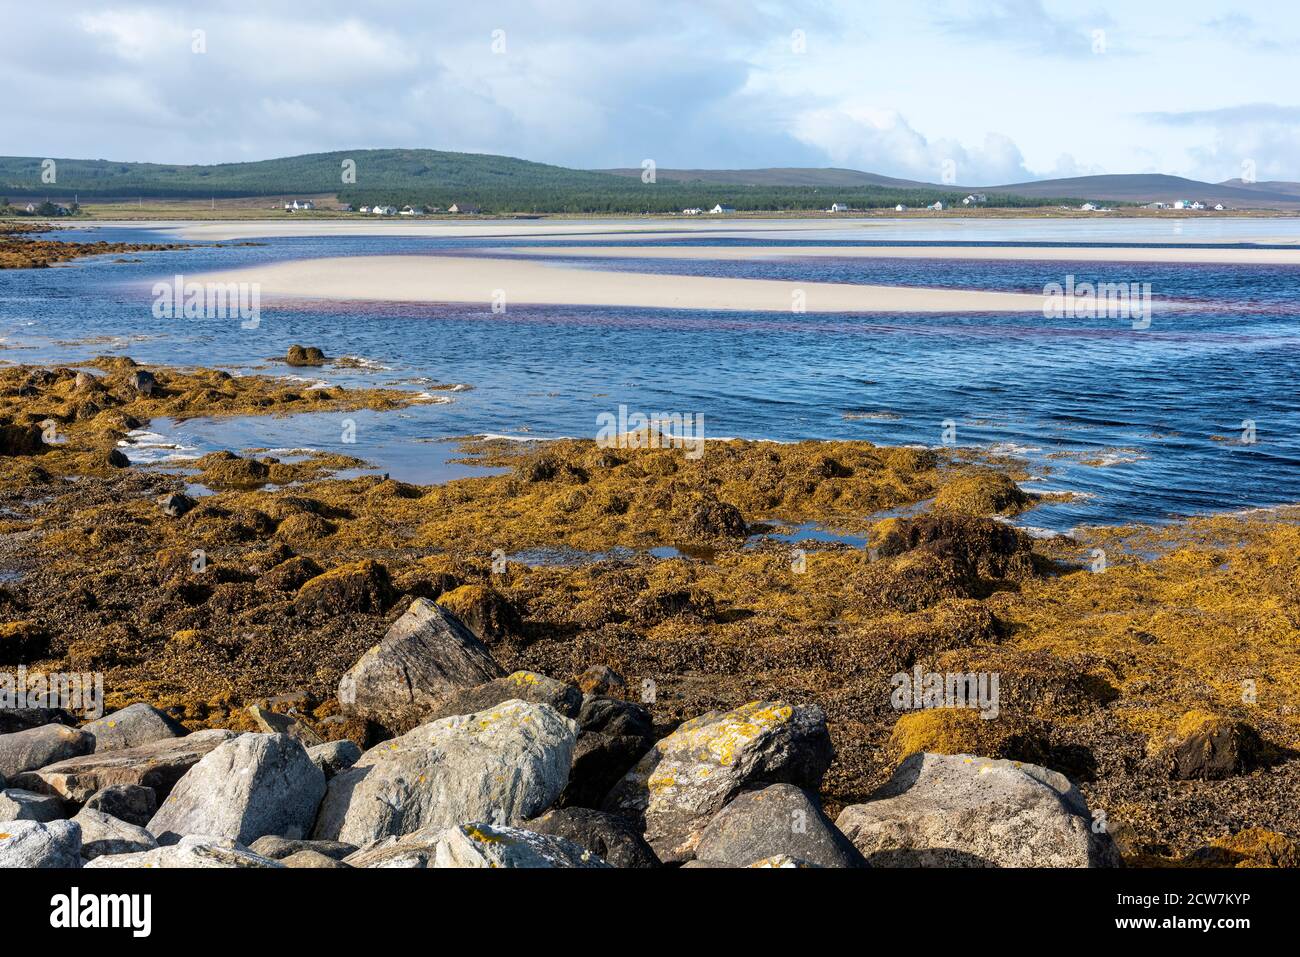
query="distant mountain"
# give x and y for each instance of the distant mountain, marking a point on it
(1152, 187)
(1273, 187)
(781, 176)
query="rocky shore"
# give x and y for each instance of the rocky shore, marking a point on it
(21, 249)
(368, 673)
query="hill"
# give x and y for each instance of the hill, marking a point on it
(1151, 187)
(783, 176)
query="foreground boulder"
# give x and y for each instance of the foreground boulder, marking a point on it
(40, 844)
(19, 805)
(278, 848)
(474, 845)
(254, 785)
(610, 838)
(37, 747)
(207, 852)
(676, 789)
(519, 686)
(334, 756)
(1208, 748)
(425, 656)
(778, 820)
(507, 764)
(126, 802)
(273, 722)
(963, 811)
(131, 727)
(102, 834)
(158, 766)
(612, 736)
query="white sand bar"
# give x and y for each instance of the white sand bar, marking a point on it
(457, 279)
(1236, 256)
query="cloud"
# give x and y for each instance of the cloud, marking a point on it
(1026, 25)
(1253, 139)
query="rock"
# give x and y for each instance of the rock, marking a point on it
(254, 785)
(963, 811)
(143, 382)
(685, 779)
(601, 681)
(23, 642)
(334, 756)
(488, 614)
(425, 656)
(507, 764)
(207, 852)
(21, 440)
(358, 586)
(304, 356)
(290, 575)
(117, 459)
(158, 765)
(778, 820)
(85, 382)
(416, 851)
(176, 504)
(315, 860)
(132, 803)
(278, 848)
(778, 860)
(1208, 748)
(19, 805)
(710, 519)
(131, 727)
(274, 723)
(519, 686)
(39, 747)
(610, 838)
(1253, 847)
(103, 834)
(613, 736)
(24, 719)
(486, 845)
(40, 844)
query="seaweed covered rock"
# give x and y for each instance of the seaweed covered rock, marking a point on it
(965, 731)
(1253, 847)
(246, 788)
(1209, 748)
(425, 656)
(964, 811)
(778, 820)
(23, 642)
(290, 574)
(708, 519)
(485, 611)
(304, 356)
(359, 586)
(986, 548)
(506, 764)
(983, 492)
(686, 778)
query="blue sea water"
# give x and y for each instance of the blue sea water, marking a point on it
(1144, 424)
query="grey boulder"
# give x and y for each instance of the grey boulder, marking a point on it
(778, 820)
(612, 736)
(278, 848)
(506, 764)
(474, 845)
(40, 844)
(273, 722)
(132, 803)
(688, 777)
(334, 756)
(517, 686)
(20, 805)
(254, 785)
(40, 746)
(190, 852)
(423, 657)
(131, 727)
(965, 811)
(103, 834)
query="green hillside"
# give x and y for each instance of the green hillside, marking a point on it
(437, 178)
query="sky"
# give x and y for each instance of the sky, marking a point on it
(977, 92)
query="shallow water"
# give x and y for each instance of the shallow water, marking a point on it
(1144, 424)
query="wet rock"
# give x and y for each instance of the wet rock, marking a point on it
(103, 834)
(273, 722)
(613, 839)
(613, 735)
(334, 756)
(176, 504)
(778, 820)
(304, 356)
(1208, 748)
(40, 844)
(487, 845)
(38, 747)
(158, 766)
(131, 727)
(359, 586)
(126, 802)
(601, 681)
(519, 686)
(143, 382)
(484, 611)
(425, 656)
(254, 785)
(189, 852)
(964, 811)
(506, 764)
(278, 848)
(675, 790)
(20, 805)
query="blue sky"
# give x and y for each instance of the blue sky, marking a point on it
(992, 90)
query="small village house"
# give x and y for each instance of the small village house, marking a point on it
(462, 208)
(720, 210)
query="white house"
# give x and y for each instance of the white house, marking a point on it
(1197, 205)
(692, 211)
(721, 210)
(462, 208)
(839, 208)
(974, 199)
(938, 204)
(364, 209)
(411, 211)
(900, 208)
(1089, 207)
(384, 211)
(1218, 206)
(305, 204)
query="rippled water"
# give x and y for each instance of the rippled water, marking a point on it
(1146, 424)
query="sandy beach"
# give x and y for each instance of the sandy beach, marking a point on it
(481, 280)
